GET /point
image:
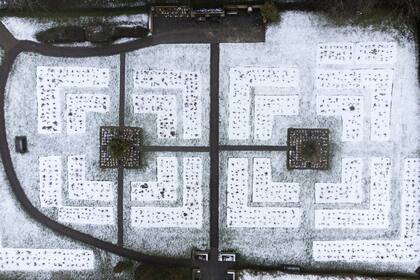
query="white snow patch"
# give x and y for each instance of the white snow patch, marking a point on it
(26, 28)
(252, 275)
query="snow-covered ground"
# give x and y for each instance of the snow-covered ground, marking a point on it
(167, 94)
(361, 214)
(20, 232)
(60, 110)
(362, 85)
(25, 28)
(184, 206)
(180, 74)
(60, 173)
(252, 275)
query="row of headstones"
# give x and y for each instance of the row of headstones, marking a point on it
(166, 184)
(240, 214)
(51, 186)
(377, 83)
(241, 80)
(348, 191)
(165, 106)
(50, 80)
(402, 249)
(14, 259)
(371, 53)
(376, 216)
(189, 215)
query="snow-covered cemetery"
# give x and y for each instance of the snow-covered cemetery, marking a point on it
(302, 151)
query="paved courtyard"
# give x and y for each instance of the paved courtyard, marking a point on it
(214, 174)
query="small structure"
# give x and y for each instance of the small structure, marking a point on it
(199, 255)
(307, 148)
(227, 257)
(196, 274)
(120, 147)
(171, 11)
(207, 13)
(230, 275)
(21, 144)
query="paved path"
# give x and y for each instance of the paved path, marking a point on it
(120, 178)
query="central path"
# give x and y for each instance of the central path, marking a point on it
(120, 201)
(214, 270)
(214, 146)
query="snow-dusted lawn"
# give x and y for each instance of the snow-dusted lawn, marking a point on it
(362, 85)
(60, 173)
(182, 202)
(25, 28)
(18, 231)
(167, 88)
(167, 94)
(252, 275)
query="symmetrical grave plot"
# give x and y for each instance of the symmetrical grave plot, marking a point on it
(189, 215)
(378, 83)
(379, 205)
(357, 53)
(120, 147)
(80, 188)
(80, 104)
(267, 107)
(265, 190)
(239, 214)
(308, 148)
(350, 108)
(51, 185)
(164, 189)
(50, 81)
(404, 249)
(165, 105)
(21, 259)
(349, 190)
(242, 80)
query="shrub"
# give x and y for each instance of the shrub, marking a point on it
(269, 12)
(118, 148)
(122, 266)
(310, 151)
(62, 35)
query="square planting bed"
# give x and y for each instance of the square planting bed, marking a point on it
(128, 138)
(308, 148)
